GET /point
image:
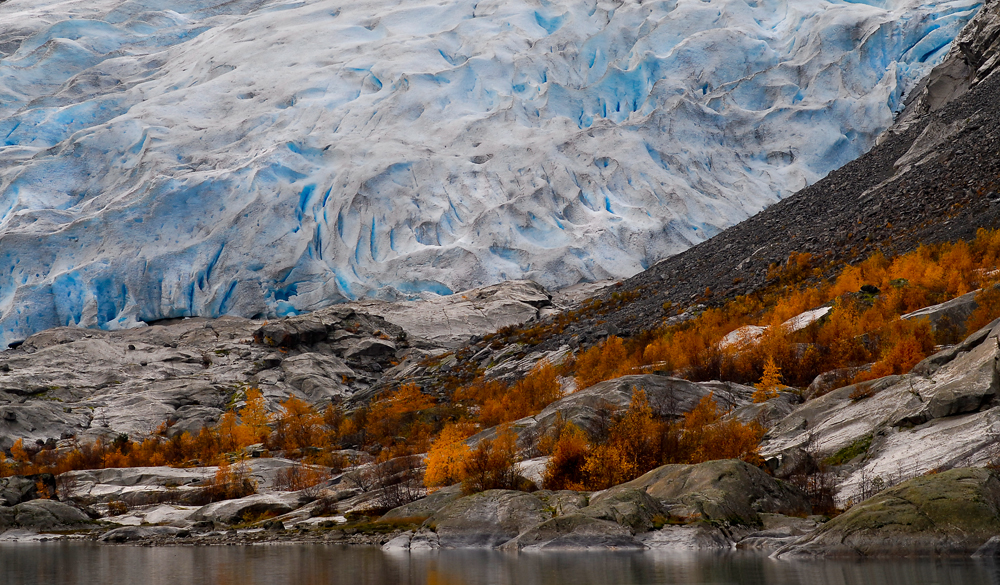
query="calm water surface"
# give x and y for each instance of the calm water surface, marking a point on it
(77, 563)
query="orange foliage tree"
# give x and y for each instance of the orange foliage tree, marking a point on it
(492, 463)
(633, 447)
(298, 426)
(255, 416)
(602, 362)
(391, 420)
(767, 388)
(496, 403)
(637, 442)
(446, 458)
(705, 435)
(565, 469)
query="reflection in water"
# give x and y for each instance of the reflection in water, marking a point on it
(77, 563)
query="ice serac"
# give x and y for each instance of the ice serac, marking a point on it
(266, 157)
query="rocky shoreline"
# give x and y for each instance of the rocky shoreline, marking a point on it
(718, 506)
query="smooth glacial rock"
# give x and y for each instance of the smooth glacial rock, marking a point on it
(163, 514)
(151, 485)
(725, 492)
(946, 514)
(71, 382)
(769, 412)
(630, 507)
(249, 508)
(141, 533)
(778, 531)
(575, 532)
(487, 519)
(827, 381)
(449, 321)
(943, 414)
(426, 506)
(687, 537)
(42, 515)
(953, 313)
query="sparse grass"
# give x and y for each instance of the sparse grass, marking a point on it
(848, 453)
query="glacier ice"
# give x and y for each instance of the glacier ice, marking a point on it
(264, 157)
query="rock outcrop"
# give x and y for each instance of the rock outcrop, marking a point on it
(42, 515)
(139, 533)
(951, 513)
(488, 519)
(727, 492)
(712, 504)
(151, 485)
(19, 488)
(943, 414)
(71, 382)
(249, 508)
(452, 320)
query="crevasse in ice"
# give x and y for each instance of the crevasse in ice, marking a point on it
(263, 157)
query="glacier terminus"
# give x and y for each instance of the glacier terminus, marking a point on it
(162, 159)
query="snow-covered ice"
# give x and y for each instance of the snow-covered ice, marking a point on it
(263, 157)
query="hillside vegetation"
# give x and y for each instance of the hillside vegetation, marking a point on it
(861, 335)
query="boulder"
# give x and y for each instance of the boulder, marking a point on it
(371, 348)
(630, 507)
(950, 513)
(769, 412)
(687, 537)
(727, 492)
(575, 532)
(564, 501)
(249, 508)
(289, 333)
(426, 506)
(989, 550)
(720, 496)
(449, 321)
(948, 315)
(19, 488)
(42, 515)
(423, 539)
(141, 533)
(487, 519)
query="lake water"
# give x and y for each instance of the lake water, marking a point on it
(69, 563)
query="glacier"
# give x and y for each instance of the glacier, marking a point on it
(162, 159)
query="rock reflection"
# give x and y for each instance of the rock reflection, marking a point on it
(75, 563)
